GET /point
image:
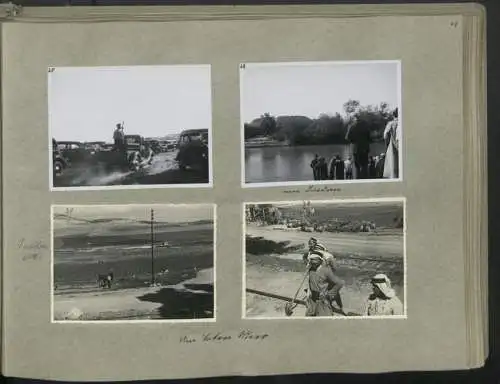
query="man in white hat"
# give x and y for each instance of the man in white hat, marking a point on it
(324, 288)
(383, 301)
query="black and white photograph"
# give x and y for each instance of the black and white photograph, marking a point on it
(133, 263)
(129, 127)
(320, 122)
(325, 259)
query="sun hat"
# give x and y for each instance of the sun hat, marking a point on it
(382, 282)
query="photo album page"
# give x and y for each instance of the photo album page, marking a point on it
(214, 197)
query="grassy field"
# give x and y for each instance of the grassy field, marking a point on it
(274, 264)
(84, 250)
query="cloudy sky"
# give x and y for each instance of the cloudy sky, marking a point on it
(85, 104)
(166, 213)
(313, 89)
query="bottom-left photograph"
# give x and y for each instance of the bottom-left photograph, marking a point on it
(133, 262)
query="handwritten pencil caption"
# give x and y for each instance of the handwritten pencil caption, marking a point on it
(209, 337)
(314, 188)
(31, 250)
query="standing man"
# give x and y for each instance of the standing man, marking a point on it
(392, 134)
(314, 166)
(358, 134)
(324, 288)
(348, 168)
(119, 137)
(339, 168)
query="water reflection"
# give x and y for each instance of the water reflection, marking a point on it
(281, 164)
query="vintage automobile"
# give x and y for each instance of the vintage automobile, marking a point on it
(59, 162)
(154, 145)
(135, 155)
(94, 146)
(75, 151)
(193, 150)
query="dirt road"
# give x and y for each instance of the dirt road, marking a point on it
(361, 244)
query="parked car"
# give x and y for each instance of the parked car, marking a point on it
(74, 151)
(59, 162)
(193, 150)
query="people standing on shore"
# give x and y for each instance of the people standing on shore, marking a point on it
(337, 168)
(348, 166)
(379, 166)
(371, 168)
(322, 168)
(314, 166)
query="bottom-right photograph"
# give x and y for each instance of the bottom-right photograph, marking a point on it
(330, 259)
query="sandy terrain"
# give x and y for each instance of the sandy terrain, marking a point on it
(360, 256)
(127, 304)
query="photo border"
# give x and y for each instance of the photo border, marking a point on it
(139, 321)
(306, 183)
(333, 201)
(210, 183)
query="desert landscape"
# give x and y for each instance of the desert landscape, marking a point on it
(274, 257)
(183, 286)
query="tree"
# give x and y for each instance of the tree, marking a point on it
(268, 124)
(351, 106)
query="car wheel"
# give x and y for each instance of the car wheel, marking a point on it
(58, 167)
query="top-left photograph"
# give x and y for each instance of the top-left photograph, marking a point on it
(130, 127)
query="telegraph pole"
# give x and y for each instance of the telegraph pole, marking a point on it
(152, 248)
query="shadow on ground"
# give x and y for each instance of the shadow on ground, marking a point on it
(261, 246)
(177, 304)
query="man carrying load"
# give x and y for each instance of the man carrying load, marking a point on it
(320, 249)
(324, 288)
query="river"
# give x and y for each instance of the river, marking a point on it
(282, 164)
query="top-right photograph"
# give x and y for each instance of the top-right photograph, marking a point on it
(320, 122)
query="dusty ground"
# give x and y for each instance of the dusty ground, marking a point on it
(359, 255)
(161, 302)
(163, 170)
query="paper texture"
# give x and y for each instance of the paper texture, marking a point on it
(432, 336)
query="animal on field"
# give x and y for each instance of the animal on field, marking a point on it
(105, 280)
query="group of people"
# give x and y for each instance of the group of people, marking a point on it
(338, 169)
(361, 165)
(324, 292)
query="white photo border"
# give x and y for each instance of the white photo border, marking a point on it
(138, 321)
(334, 201)
(210, 183)
(244, 183)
